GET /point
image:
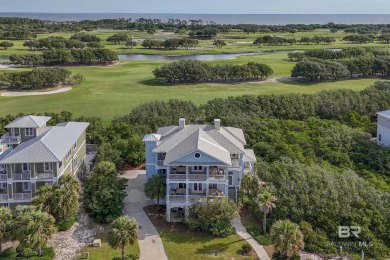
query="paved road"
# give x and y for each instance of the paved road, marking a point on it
(149, 240)
(241, 231)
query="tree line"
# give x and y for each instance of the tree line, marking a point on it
(41, 78)
(274, 40)
(65, 57)
(193, 71)
(170, 44)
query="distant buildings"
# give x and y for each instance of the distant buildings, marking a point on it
(198, 161)
(33, 154)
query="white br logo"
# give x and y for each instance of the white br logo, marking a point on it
(349, 231)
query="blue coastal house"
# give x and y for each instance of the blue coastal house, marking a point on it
(198, 161)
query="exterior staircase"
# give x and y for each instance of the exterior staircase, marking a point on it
(232, 194)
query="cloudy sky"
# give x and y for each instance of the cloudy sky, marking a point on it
(200, 6)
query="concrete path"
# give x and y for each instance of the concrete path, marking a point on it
(34, 93)
(149, 240)
(241, 231)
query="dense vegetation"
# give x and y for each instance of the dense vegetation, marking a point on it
(193, 71)
(66, 57)
(170, 44)
(41, 77)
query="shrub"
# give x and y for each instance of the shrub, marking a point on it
(213, 215)
(246, 249)
(66, 224)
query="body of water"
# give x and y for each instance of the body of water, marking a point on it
(266, 19)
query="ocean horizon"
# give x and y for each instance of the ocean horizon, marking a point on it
(261, 19)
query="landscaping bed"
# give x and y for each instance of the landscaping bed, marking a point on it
(182, 243)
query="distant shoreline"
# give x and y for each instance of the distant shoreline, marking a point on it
(260, 19)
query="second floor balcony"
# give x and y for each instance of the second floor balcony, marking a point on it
(10, 139)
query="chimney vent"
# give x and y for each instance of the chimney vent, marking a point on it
(182, 123)
(217, 123)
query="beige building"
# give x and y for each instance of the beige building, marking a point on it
(34, 154)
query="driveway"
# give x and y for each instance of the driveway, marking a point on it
(149, 240)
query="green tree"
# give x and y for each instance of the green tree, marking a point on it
(6, 45)
(155, 188)
(213, 215)
(5, 224)
(39, 230)
(123, 231)
(266, 202)
(104, 193)
(287, 238)
(219, 43)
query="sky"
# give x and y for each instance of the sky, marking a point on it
(199, 6)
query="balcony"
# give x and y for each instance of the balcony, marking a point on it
(3, 197)
(217, 177)
(21, 176)
(3, 177)
(235, 163)
(197, 177)
(177, 198)
(46, 175)
(177, 177)
(160, 162)
(23, 196)
(195, 198)
(9, 139)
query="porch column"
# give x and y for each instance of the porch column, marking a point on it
(187, 191)
(186, 172)
(168, 214)
(207, 172)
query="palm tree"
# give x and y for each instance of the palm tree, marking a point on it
(43, 198)
(287, 238)
(266, 203)
(245, 183)
(40, 228)
(69, 182)
(66, 203)
(155, 188)
(123, 231)
(5, 223)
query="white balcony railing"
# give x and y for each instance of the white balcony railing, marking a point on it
(10, 139)
(46, 175)
(197, 177)
(3, 177)
(160, 162)
(217, 178)
(177, 198)
(195, 198)
(22, 196)
(21, 176)
(177, 177)
(3, 197)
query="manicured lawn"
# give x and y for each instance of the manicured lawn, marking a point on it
(105, 252)
(110, 91)
(179, 246)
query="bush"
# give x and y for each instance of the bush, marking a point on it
(64, 225)
(246, 249)
(213, 215)
(27, 253)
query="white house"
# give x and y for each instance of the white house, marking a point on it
(383, 128)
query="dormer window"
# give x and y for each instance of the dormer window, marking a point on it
(29, 132)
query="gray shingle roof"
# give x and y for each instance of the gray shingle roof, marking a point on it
(29, 121)
(177, 142)
(198, 140)
(385, 113)
(249, 156)
(51, 146)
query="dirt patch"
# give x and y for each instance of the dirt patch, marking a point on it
(128, 167)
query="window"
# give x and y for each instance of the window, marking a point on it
(3, 186)
(59, 164)
(198, 187)
(213, 186)
(26, 167)
(75, 163)
(16, 131)
(1, 150)
(380, 138)
(26, 186)
(198, 168)
(182, 185)
(29, 131)
(75, 146)
(235, 156)
(197, 155)
(48, 167)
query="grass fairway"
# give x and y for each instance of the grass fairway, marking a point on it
(179, 246)
(114, 90)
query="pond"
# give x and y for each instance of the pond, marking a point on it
(204, 57)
